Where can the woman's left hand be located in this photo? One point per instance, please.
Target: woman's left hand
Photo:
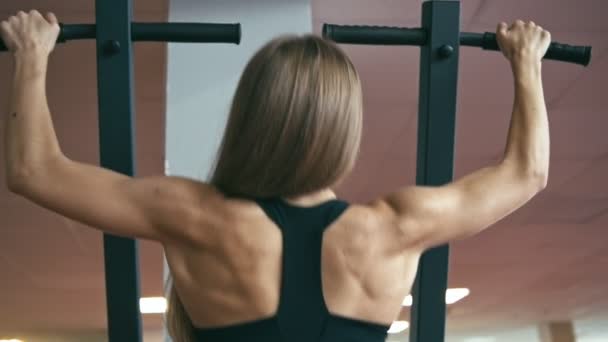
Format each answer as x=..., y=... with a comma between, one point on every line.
x=27, y=33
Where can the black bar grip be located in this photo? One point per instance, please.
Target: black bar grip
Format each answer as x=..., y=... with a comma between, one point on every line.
x=559, y=52
x=187, y=32
x=374, y=35
x=378, y=35
x=76, y=31
x=162, y=32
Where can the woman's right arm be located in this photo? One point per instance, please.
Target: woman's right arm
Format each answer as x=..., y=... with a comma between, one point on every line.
x=430, y=216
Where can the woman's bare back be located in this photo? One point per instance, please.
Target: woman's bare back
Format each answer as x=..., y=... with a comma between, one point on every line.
x=233, y=274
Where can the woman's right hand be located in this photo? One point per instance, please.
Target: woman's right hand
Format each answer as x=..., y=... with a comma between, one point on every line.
x=523, y=42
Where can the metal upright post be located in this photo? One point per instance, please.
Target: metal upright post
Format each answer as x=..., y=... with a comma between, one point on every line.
x=436, y=126
x=116, y=135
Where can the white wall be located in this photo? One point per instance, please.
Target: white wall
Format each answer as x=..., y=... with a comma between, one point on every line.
x=202, y=77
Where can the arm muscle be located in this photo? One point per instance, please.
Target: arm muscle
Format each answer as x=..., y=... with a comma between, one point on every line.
x=157, y=208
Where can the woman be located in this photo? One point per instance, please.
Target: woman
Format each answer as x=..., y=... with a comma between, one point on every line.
x=265, y=251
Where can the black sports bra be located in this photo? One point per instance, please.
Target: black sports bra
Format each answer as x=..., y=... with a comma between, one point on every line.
x=302, y=315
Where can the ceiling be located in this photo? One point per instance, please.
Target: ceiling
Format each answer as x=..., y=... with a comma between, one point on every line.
x=546, y=262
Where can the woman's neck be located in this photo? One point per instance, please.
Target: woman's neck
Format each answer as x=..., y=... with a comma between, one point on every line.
x=312, y=199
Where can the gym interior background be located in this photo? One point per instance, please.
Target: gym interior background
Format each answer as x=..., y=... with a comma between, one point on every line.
x=540, y=272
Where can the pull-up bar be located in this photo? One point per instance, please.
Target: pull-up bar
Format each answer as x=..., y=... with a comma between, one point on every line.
x=381, y=35
x=159, y=32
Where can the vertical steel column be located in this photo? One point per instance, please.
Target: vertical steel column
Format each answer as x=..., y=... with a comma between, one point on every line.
x=116, y=135
x=436, y=125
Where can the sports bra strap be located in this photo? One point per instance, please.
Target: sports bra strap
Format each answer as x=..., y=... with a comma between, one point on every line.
x=301, y=286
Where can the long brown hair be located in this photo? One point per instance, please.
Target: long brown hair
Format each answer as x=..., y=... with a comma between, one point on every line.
x=294, y=128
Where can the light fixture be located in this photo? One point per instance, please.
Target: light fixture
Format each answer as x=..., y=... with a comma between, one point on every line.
x=451, y=296
x=152, y=305
x=454, y=295
x=481, y=339
x=398, y=326
x=11, y=340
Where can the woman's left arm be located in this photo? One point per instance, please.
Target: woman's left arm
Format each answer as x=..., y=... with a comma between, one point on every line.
x=152, y=208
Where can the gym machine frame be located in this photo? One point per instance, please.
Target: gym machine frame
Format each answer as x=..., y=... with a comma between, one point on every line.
x=440, y=39
x=114, y=32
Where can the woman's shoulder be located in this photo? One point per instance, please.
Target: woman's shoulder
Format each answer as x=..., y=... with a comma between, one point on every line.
x=368, y=223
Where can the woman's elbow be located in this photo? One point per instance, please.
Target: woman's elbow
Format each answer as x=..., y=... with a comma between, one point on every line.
x=14, y=185
x=17, y=180
x=541, y=180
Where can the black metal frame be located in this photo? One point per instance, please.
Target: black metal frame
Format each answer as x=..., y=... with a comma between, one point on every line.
x=158, y=32
x=436, y=130
x=383, y=35
x=115, y=31
x=439, y=39
x=116, y=141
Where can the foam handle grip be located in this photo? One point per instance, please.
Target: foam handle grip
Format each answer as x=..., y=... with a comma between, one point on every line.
x=159, y=32
x=374, y=35
x=559, y=52
x=187, y=32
